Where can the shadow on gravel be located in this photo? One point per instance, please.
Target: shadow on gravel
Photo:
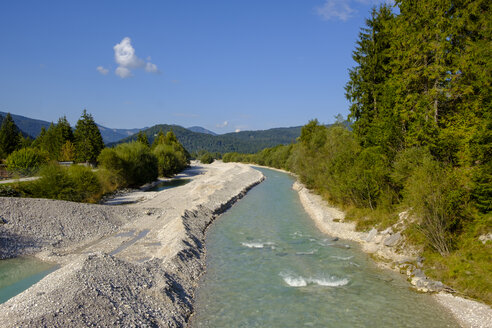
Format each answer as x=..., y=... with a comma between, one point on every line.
x=13, y=245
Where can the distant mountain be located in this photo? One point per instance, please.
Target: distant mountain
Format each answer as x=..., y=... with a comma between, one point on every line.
x=199, y=129
x=32, y=127
x=112, y=135
x=243, y=142
x=29, y=126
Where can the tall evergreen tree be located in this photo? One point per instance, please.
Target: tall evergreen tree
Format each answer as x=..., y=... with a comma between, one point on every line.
x=367, y=89
x=9, y=136
x=88, y=139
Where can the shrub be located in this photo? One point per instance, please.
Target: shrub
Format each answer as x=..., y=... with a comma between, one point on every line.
x=438, y=197
x=206, y=158
x=170, y=159
x=25, y=161
x=75, y=183
x=133, y=162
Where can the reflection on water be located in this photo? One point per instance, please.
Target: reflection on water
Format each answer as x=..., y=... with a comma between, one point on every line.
x=18, y=274
x=269, y=266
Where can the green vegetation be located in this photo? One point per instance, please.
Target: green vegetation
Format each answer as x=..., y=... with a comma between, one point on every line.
x=244, y=141
x=172, y=157
x=127, y=165
x=133, y=163
x=26, y=161
x=88, y=140
x=10, y=136
x=74, y=183
x=421, y=140
x=206, y=158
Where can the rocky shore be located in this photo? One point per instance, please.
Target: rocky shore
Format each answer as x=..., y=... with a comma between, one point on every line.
x=390, y=250
x=132, y=265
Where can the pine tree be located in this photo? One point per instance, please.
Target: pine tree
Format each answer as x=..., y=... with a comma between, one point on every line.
x=141, y=137
x=64, y=130
x=88, y=139
x=376, y=124
x=9, y=136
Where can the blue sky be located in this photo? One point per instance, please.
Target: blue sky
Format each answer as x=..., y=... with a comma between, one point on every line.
x=225, y=65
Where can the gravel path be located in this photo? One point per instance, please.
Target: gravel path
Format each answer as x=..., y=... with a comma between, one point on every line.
x=131, y=265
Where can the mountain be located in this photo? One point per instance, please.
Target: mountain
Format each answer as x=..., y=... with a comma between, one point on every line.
x=29, y=126
x=112, y=135
x=32, y=127
x=243, y=142
x=199, y=129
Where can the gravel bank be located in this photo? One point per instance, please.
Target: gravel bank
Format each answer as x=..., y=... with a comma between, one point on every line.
x=132, y=265
x=389, y=247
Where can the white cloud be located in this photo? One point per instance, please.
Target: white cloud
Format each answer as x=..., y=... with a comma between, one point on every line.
x=344, y=9
x=124, y=54
x=102, y=70
x=123, y=72
x=336, y=9
x=151, y=68
x=125, y=57
x=238, y=130
x=222, y=125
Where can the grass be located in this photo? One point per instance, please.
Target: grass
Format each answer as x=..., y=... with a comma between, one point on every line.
x=468, y=268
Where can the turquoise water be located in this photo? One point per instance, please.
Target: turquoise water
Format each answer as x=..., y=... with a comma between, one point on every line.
x=269, y=266
x=18, y=274
x=169, y=184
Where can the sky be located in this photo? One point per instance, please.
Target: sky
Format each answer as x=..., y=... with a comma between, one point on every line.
x=225, y=65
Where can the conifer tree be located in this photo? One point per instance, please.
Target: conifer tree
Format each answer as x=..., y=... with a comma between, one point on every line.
x=9, y=136
x=141, y=137
x=88, y=139
x=367, y=89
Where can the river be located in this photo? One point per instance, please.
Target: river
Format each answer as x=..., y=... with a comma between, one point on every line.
x=269, y=266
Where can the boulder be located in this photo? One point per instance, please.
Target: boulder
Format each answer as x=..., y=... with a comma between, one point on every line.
x=371, y=234
x=392, y=240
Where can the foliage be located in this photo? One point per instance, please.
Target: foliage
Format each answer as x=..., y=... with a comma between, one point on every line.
x=88, y=140
x=206, y=158
x=9, y=136
x=142, y=138
x=243, y=141
x=57, y=141
x=26, y=161
x=172, y=157
x=75, y=183
x=133, y=163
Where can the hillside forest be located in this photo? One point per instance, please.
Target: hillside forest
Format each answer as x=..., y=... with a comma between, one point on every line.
x=421, y=139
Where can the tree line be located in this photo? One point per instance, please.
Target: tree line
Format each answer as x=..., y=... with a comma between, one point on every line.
x=126, y=165
x=421, y=136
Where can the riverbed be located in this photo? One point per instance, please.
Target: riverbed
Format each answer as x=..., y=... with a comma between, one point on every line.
x=269, y=266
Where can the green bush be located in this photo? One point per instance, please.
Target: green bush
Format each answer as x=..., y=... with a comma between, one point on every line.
x=438, y=196
x=170, y=159
x=133, y=162
x=206, y=158
x=75, y=183
x=26, y=161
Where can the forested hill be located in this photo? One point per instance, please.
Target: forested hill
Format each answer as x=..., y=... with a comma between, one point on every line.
x=244, y=141
x=32, y=127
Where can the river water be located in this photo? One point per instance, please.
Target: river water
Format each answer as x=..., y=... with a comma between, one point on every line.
x=269, y=266
x=18, y=274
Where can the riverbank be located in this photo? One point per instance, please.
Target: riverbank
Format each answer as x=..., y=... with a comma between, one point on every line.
x=388, y=247
x=129, y=265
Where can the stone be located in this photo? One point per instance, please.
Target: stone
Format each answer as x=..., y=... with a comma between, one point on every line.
x=371, y=234
x=387, y=231
x=485, y=238
x=378, y=239
x=392, y=240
